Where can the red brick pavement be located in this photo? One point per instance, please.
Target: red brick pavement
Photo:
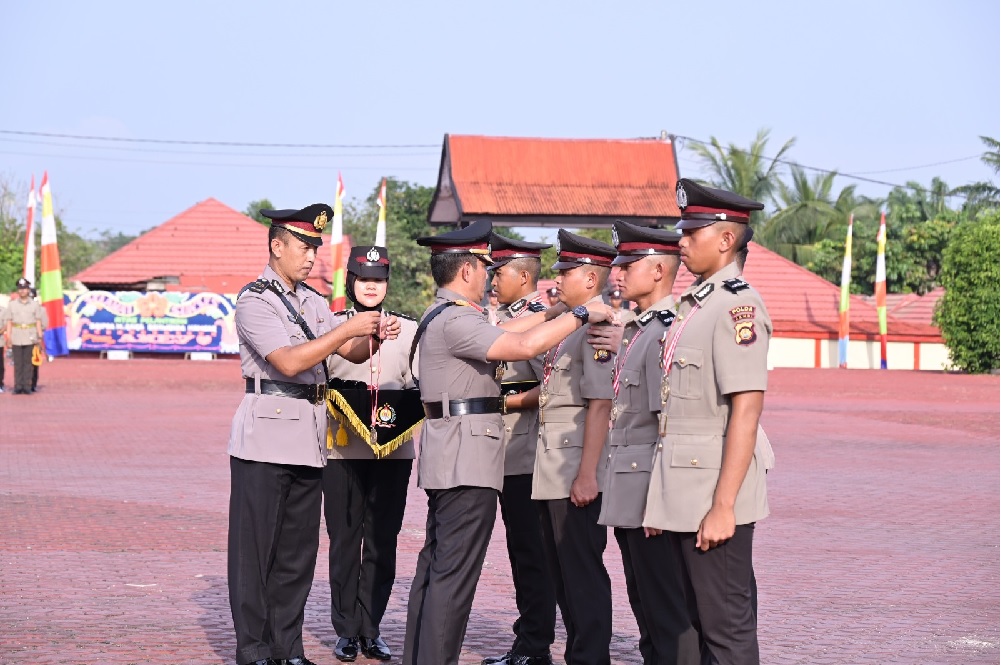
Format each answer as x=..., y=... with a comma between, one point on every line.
x=882, y=545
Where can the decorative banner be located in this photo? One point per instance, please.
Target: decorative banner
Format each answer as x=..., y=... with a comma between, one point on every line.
x=881, y=288
x=29, y=236
x=338, y=301
x=380, y=227
x=846, y=280
x=152, y=322
x=50, y=285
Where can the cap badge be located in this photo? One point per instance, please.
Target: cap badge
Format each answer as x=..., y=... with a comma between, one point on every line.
x=373, y=255
x=615, y=236
x=320, y=222
x=557, y=245
x=682, y=196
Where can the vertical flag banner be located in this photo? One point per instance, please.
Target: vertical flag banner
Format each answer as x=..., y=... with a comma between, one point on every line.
x=881, y=288
x=29, y=236
x=380, y=229
x=337, y=296
x=846, y=280
x=50, y=286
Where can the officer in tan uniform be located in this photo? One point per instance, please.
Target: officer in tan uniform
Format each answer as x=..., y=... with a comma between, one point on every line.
x=707, y=487
x=277, y=443
x=461, y=463
x=648, y=260
x=575, y=404
x=517, y=264
x=4, y=314
x=23, y=331
x=364, y=495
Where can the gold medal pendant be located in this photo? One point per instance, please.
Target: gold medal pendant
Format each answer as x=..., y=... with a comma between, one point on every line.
x=615, y=412
x=374, y=436
x=499, y=372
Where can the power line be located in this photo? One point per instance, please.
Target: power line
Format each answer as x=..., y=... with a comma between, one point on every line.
x=242, y=144
x=922, y=166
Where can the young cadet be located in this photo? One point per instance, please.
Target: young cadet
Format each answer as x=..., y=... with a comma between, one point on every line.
x=648, y=261
x=277, y=443
x=24, y=330
x=365, y=494
x=575, y=403
x=707, y=487
x=461, y=464
x=517, y=264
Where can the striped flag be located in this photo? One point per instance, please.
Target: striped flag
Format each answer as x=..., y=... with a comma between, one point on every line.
x=881, y=288
x=846, y=280
x=29, y=235
x=380, y=228
x=337, y=299
x=50, y=286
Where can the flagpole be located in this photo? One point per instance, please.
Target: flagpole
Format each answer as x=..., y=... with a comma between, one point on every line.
x=380, y=228
x=846, y=278
x=338, y=302
x=881, y=288
x=50, y=285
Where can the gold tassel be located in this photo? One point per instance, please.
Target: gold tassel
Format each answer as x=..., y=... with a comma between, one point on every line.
x=342, y=436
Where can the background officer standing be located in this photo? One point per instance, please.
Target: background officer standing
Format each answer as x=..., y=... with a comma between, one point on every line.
x=4, y=314
x=575, y=403
x=364, y=496
x=707, y=488
x=517, y=264
x=277, y=444
x=462, y=449
x=648, y=261
x=24, y=331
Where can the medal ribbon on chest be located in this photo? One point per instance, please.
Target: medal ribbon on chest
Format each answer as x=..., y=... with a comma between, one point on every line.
x=665, y=362
x=616, y=382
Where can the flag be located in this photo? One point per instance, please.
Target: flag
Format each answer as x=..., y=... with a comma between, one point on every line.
x=846, y=280
x=881, y=288
x=380, y=229
x=29, y=235
x=337, y=299
x=50, y=286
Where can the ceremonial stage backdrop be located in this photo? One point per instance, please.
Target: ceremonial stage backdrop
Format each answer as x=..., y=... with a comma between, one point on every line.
x=157, y=322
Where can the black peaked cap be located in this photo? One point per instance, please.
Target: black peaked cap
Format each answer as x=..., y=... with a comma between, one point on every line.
x=702, y=205
x=634, y=242
x=474, y=239
x=574, y=250
x=369, y=261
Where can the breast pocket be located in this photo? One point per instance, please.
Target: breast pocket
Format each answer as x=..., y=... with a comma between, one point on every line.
x=686, y=373
x=564, y=435
x=631, y=397
x=559, y=381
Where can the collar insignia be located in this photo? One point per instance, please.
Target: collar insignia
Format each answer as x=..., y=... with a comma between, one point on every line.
x=704, y=292
x=646, y=318
x=516, y=306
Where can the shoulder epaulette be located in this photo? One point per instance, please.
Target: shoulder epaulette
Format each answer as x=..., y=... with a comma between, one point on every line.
x=257, y=286
x=307, y=286
x=401, y=315
x=536, y=307
x=666, y=316
x=344, y=312
x=736, y=284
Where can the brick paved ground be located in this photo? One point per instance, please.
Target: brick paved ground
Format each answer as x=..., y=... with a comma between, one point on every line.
x=882, y=547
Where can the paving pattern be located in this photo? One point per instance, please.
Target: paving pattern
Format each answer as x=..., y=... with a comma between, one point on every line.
x=882, y=545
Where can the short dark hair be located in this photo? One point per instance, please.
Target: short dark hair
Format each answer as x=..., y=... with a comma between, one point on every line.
x=279, y=232
x=741, y=257
x=444, y=267
x=530, y=265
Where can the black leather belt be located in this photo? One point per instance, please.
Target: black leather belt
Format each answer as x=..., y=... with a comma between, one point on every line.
x=463, y=407
x=516, y=387
x=315, y=393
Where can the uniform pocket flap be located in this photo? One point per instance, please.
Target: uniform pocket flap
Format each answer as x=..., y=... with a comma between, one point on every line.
x=485, y=428
x=703, y=452
x=686, y=355
x=568, y=436
x=629, y=377
x=281, y=408
x=629, y=461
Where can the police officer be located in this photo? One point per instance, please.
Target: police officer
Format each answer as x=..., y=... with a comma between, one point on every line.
x=24, y=331
x=365, y=495
x=575, y=403
x=277, y=444
x=517, y=264
x=707, y=487
x=4, y=313
x=461, y=466
x=648, y=260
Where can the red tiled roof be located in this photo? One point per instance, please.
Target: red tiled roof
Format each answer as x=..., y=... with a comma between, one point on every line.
x=209, y=247
x=580, y=177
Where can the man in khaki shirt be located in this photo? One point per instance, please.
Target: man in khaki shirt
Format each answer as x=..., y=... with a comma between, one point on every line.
x=575, y=403
x=23, y=331
x=707, y=487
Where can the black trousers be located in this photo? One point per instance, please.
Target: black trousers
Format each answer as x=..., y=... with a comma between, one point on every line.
x=723, y=584
x=575, y=543
x=274, y=535
x=656, y=590
x=22, y=367
x=459, y=525
x=535, y=628
x=34, y=377
x=363, y=505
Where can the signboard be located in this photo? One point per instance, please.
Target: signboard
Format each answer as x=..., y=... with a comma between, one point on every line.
x=151, y=322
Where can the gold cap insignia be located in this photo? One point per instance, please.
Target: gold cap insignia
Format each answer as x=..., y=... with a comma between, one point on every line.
x=320, y=222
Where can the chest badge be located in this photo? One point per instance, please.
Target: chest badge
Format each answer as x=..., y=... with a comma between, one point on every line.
x=602, y=356
x=386, y=415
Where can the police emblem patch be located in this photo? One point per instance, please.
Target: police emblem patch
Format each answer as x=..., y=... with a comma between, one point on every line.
x=615, y=236
x=386, y=415
x=602, y=356
x=320, y=222
x=745, y=333
x=682, y=196
x=373, y=255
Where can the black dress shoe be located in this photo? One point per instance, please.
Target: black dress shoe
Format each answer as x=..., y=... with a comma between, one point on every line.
x=516, y=659
x=346, y=649
x=298, y=660
x=495, y=660
x=376, y=647
x=266, y=661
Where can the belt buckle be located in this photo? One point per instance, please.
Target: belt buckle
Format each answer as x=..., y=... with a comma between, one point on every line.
x=321, y=394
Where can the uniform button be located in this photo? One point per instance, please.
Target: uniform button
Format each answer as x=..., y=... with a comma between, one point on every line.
x=566, y=441
x=488, y=430
x=681, y=361
x=278, y=410
x=507, y=429
x=695, y=462
x=625, y=342
x=679, y=317
x=625, y=380
x=660, y=446
x=633, y=465
x=319, y=371
x=609, y=457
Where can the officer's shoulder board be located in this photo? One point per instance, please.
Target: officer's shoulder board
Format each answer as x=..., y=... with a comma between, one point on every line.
x=735, y=285
x=307, y=286
x=260, y=285
x=665, y=316
x=536, y=307
x=345, y=313
x=400, y=315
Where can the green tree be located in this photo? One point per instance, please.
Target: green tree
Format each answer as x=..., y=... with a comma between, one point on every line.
x=982, y=195
x=968, y=313
x=748, y=172
x=253, y=210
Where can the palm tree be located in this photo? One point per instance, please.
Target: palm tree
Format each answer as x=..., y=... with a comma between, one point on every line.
x=992, y=156
x=746, y=172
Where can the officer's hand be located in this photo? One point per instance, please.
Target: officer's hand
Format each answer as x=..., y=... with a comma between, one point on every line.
x=650, y=532
x=362, y=324
x=718, y=526
x=605, y=338
x=583, y=491
x=390, y=328
x=598, y=312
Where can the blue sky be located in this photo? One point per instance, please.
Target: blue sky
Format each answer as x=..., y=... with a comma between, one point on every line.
x=863, y=86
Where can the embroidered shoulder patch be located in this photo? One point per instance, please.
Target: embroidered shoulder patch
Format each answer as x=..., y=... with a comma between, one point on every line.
x=736, y=284
x=742, y=313
x=536, y=307
x=745, y=334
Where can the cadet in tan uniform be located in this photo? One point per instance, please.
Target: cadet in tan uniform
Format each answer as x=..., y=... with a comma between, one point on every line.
x=277, y=444
x=648, y=260
x=575, y=404
x=364, y=496
x=4, y=314
x=24, y=331
x=517, y=264
x=461, y=463
x=707, y=487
